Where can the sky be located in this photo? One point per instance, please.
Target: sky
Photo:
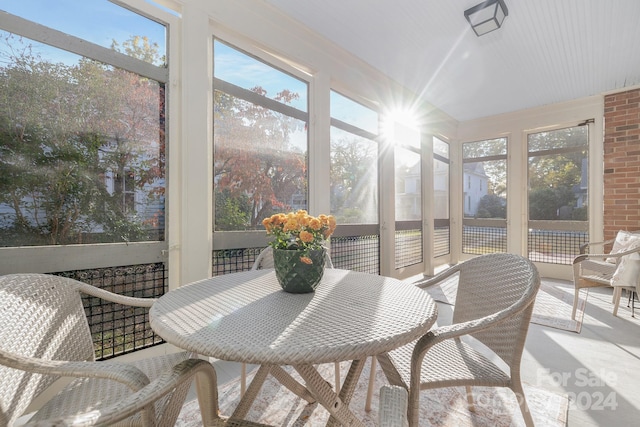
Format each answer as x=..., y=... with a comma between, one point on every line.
x=101, y=22
x=98, y=21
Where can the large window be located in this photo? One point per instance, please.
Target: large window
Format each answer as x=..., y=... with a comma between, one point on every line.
x=260, y=128
x=484, y=196
x=441, y=165
x=354, y=162
x=354, y=194
x=558, y=184
x=82, y=136
x=408, y=195
x=82, y=154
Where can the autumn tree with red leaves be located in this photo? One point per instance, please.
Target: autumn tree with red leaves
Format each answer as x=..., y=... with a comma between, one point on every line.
x=257, y=168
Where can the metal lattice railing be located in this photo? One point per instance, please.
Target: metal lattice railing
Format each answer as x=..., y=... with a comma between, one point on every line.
x=357, y=253
x=555, y=246
x=408, y=247
x=117, y=329
x=483, y=240
x=226, y=261
x=441, y=241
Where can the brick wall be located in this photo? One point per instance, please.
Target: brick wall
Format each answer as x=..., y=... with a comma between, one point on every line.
x=621, y=162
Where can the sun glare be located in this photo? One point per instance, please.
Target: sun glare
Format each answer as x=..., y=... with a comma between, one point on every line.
x=401, y=126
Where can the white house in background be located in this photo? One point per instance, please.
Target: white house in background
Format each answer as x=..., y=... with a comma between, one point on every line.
x=441, y=189
x=408, y=195
x=475, y=187
x=143, y=205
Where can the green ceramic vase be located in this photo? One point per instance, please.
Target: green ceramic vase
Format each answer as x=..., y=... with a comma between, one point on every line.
x=296, y=276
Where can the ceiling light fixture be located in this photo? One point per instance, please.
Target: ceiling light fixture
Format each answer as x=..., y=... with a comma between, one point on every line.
x=487, y=16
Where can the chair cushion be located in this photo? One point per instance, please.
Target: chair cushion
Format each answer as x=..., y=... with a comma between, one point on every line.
x=625, y=240
x=628, y=272
x=87, y=394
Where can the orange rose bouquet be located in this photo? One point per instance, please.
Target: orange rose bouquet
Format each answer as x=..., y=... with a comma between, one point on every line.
x=299, y=231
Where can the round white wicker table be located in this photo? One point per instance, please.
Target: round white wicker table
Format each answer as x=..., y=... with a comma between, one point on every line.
x=246, y=317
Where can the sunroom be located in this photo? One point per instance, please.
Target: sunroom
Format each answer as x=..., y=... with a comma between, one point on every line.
x=143, y=143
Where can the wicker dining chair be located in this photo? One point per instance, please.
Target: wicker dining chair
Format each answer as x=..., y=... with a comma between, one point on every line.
x=494, y=303
x=45, y=336
x=593, y=268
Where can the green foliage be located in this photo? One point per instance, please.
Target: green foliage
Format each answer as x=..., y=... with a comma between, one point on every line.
x=542, y=204
x=492, y=206
x=350, y=216
x=353, y=178
x=232, y=212
x=580, y=214
x=140, y=48
x=63, y=128
x=555, y=171
x=255, y=160
x=545, y=203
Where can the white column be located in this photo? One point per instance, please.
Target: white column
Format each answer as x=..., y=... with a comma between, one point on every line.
x=196, y=139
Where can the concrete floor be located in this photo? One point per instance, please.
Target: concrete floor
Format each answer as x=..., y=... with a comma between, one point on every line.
x=599, y=368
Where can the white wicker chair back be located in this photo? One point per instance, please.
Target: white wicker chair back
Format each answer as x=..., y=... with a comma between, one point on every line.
x=492, y=283
x=42, y=317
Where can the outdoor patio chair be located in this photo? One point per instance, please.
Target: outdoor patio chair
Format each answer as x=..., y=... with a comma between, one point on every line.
x=265, y=260
x=494, y=303
x=45, y=336
x=592, y=270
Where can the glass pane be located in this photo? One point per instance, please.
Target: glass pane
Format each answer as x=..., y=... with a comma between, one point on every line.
x=558, y=194
x=491, y=147
x=354, y=178
x=348, y=111
x=561, y=138
x=81, y=150
x=440, y=147
x=98, y=21
x=408, y=185
x=440, y=180
x=558, y=182
x=484, y=196
x=260, y=152
x=485, y=191
x=249, y=73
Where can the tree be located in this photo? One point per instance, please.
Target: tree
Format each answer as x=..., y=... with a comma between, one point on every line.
x=555, y=173
x=542, y=204
x=353, y=178
x=492, y=206
x=139, y=47
x=63, y=129
x=254, y=159
x=231, y=213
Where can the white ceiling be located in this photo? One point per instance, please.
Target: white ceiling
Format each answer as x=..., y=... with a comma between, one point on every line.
x=547, y=51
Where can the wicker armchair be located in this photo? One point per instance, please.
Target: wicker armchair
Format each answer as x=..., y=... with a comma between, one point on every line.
x=592, y=270
x=494, y=303
x=44, y=336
